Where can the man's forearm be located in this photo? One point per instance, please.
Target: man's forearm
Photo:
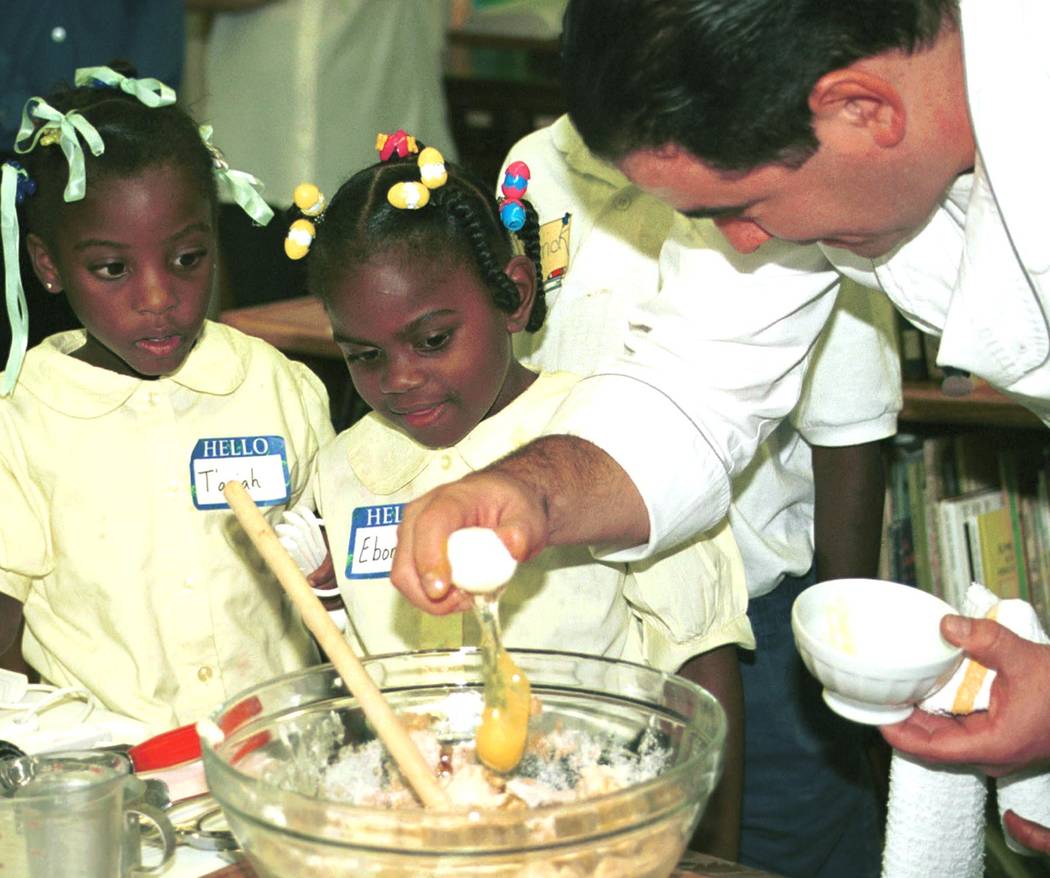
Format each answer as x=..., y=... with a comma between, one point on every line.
x=589, y=498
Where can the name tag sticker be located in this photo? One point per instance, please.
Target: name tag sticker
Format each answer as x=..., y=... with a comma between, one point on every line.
x=373, y=539
x=260, y=463
x=554, y=251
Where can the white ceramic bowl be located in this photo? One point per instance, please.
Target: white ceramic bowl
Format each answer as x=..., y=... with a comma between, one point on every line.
x=876, y=646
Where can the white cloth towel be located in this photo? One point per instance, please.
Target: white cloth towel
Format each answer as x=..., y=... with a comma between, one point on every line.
x=934, y=823
x=935, y=817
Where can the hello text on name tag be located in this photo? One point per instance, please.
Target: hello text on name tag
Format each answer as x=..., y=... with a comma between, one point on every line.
x=373, y=539
x=260, y=463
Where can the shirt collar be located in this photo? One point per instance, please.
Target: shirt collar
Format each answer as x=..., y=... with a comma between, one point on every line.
x=215, y=366
x=568, y=141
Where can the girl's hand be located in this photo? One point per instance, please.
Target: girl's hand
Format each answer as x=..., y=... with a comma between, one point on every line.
x=299, y=531
x=1014, y=732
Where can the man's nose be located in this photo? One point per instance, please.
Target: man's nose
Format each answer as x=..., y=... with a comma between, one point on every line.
x=744, y=236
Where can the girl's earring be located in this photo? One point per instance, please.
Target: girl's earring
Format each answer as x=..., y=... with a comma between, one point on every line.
x=48, y=284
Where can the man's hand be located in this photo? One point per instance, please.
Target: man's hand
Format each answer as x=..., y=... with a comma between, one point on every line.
x=1014, y=732
x=1030, y=834
x=490, y=499
x=557, y=490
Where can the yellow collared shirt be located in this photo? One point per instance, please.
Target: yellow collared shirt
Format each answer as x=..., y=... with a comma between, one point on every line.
x=163, y=610
x=662, y=611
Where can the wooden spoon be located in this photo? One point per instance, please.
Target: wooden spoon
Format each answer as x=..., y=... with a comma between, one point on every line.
x=376, y=708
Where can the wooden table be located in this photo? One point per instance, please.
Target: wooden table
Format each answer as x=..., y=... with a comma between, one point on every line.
x=693, y=865
x=299, y=328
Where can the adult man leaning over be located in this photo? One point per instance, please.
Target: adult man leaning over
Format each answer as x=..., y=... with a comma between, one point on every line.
x=897, y=142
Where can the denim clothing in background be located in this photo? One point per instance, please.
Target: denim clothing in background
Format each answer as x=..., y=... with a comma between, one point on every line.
x=43, y=42
x=827, y=826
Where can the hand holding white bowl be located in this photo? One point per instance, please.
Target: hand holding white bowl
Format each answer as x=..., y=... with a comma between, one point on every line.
x=876, y=646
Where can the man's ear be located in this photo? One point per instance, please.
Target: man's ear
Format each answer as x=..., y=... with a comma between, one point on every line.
x=43, y=264
x=522, y=271
x=850, y=101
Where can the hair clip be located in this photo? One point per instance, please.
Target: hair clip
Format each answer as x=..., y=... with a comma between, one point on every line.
x=25, y=185
x=300, y=236
x=515, y=181
x=409, y=195
x=239, y=186
x=412, y=195
x=309, y=199
x=63, y=129
x=432, y=171
x=398, y=142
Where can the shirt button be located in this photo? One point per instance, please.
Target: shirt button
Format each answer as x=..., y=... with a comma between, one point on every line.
x=188, y=584
x=446, y=461
x=204, y=674
x=622, y=201
x=58, y=34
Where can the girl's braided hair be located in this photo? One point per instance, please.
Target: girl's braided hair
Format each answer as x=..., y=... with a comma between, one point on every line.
x=461, y=221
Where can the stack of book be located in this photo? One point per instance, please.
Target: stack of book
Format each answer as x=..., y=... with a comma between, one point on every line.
x=969, y=508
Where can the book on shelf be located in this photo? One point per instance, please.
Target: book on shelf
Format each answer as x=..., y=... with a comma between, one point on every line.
x=959, y=540
x=967, y=508
x=993, y=562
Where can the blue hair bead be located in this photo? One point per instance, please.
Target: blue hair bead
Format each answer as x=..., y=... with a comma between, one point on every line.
x=26, y=186
x=512, y=214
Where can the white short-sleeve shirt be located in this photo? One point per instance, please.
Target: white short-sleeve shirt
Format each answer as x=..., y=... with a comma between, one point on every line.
x=608, y=271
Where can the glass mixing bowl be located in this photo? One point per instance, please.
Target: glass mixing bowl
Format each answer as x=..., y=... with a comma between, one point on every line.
x=265, y=750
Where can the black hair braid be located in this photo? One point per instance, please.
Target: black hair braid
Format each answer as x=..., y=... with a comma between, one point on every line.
x=529, y=235
x=504, y=291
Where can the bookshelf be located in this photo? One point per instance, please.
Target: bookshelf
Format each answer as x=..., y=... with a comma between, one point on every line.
x=951, y=454
x=1006, y=428
x=925, y=404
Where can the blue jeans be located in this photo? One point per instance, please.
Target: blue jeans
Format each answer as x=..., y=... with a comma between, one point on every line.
x=810, y=808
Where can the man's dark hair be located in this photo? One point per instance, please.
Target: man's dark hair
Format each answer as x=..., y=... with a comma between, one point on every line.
x=728, y=80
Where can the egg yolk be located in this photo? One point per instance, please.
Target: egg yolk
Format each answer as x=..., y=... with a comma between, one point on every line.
x=500, y=738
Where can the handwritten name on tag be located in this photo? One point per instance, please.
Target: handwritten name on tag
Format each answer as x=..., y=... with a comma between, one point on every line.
x=554, y=251
x=260, y=463
x=373, y=539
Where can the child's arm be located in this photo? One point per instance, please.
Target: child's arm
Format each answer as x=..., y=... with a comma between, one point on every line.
x=302, y=535
x=10, y=635
x=718, y=671
x=849, y=483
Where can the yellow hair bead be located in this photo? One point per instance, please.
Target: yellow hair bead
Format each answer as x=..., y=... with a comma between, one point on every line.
x=308, y=199
x=432, y=169
x=409, y=195
x=300, y=236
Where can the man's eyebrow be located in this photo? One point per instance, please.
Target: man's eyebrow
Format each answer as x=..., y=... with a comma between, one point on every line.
x=714, y=212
